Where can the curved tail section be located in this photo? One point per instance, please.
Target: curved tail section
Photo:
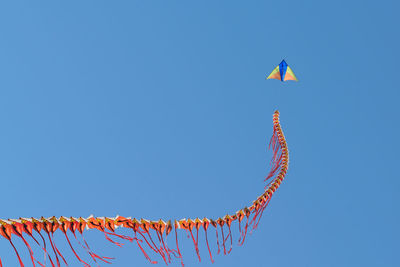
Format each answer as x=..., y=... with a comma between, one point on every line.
x=150, y=235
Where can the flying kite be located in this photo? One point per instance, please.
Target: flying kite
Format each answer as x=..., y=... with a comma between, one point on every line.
x=282, y=72
x=150, y=236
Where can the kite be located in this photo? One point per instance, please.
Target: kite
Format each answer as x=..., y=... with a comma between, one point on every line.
x=150, y=236
x=282, y=72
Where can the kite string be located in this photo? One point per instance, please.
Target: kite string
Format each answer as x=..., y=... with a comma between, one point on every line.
x=278, y=164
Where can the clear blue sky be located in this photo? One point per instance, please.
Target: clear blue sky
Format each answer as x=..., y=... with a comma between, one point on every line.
x=160, y=109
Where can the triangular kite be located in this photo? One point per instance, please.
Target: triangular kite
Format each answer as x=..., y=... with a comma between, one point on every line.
x=282, y=72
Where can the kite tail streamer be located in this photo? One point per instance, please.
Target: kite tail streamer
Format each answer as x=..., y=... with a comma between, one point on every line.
x=206, y=223
x=247, y=217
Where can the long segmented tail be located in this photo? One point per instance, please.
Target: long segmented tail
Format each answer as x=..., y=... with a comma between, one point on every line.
x=151, y=234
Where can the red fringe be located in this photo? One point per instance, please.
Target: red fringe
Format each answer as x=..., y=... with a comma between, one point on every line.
x=208, y=246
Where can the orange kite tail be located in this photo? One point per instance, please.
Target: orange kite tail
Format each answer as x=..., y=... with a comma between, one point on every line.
x=151, y=236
